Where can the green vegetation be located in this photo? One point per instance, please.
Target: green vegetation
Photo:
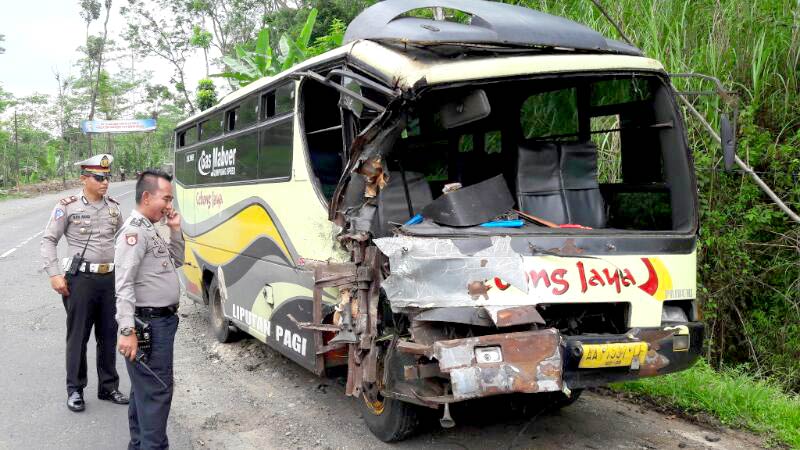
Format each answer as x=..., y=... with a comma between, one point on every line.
x=735, y=396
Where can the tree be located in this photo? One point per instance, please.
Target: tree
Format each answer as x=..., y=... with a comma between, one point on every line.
x=95, y=51
x=90, y=11
x=329, y=11
x=151, y=34
x=206, y=94
x=234, y=22
x=2, y=38
x=202, y=39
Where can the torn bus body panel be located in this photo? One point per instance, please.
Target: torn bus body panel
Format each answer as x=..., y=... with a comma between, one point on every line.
x=429, y=273
x=526, y=362
x=365, y=174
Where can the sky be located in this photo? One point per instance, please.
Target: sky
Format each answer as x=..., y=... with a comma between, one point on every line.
x=42, y=36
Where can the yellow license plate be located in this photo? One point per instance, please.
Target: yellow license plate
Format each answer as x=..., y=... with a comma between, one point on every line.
x=612, y=355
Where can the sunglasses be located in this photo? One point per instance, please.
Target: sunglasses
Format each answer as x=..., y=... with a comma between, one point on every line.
x=99, y=178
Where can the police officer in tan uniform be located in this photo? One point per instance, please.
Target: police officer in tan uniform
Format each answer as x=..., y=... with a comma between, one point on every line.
x=148, y=289
x=89, y=222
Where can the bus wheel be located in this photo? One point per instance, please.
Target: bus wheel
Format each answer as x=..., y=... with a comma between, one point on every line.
x=388, y=419
x=220, y=325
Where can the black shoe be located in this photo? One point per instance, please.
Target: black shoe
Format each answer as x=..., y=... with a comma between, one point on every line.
x=114, y=396
x=75, y=402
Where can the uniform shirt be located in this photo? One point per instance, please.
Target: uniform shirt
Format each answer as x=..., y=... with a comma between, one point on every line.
x=78, y=219
x=145, y=268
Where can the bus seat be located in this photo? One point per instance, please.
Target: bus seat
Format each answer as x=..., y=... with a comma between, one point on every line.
x=557, y=181
x=392, y=205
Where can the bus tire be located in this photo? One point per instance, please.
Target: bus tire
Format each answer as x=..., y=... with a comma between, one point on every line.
x=388, y=419
x=220, y=325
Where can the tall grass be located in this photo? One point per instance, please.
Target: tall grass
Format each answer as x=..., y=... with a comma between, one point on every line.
x=749, y=251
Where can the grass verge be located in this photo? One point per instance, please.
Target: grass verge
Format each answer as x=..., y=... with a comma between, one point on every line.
x=8, y=196
x=734, y=396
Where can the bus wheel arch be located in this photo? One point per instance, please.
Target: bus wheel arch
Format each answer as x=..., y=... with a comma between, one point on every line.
x=208, y=277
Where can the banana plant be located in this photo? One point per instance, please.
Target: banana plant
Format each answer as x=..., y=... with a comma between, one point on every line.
x=247, y=66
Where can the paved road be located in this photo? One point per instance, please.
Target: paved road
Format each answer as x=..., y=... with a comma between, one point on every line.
x=33, y=396
x=245, y=396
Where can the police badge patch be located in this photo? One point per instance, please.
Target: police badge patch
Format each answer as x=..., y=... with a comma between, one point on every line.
x=58, y=214
x=131, y=238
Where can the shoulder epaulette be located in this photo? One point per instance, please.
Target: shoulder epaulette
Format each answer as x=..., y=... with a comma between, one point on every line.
x=112, y=200
x=67, y=200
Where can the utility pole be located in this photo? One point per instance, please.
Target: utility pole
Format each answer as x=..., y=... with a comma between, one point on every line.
x=16, y=149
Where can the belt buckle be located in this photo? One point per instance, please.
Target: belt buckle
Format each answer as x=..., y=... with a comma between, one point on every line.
x=103, y=268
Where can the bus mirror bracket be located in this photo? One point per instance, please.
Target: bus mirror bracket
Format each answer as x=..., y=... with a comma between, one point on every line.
x=727, y=125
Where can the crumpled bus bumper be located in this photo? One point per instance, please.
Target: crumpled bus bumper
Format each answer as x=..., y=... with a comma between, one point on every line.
x=546, y=361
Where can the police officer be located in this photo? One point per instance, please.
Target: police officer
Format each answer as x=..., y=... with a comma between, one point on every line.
x=89, y=222
x=148, y=288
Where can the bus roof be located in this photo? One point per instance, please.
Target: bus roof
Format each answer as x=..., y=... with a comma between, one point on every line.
x=409, y=66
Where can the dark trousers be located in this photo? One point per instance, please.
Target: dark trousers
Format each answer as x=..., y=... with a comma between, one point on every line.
x=150, y=400
x=91, y=303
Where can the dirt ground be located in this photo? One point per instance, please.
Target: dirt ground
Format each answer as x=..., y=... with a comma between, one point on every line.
x=35, y=189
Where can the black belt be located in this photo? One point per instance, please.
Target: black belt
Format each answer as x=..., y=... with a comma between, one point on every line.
x=149, y=312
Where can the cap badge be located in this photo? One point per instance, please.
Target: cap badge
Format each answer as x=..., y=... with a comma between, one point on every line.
x=104, y=163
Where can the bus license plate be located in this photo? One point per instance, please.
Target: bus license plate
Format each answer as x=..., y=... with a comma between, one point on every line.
x=612, y=355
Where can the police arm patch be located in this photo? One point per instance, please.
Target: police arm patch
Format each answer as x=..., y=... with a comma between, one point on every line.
x=131, y=238
x=58, y=214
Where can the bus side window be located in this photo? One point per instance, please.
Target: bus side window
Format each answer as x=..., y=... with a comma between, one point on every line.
x=211, y=128
x=247, y=113
x=268, y=104
x=231, y=117
x=189, y=136
x=322, y=125
x=275, y=150
x=284, y=99
x=279, y=101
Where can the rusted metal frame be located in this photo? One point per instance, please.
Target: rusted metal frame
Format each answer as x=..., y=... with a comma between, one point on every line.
x=531, y=362
x=415, y=348
x=420, y=371
x=330, y=347
x=375, y=261
x=325, y=275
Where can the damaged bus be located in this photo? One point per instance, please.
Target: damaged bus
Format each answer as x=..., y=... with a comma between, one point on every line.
x=496, y=202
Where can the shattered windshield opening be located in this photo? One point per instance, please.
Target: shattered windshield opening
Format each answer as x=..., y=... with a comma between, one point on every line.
x=565, y=155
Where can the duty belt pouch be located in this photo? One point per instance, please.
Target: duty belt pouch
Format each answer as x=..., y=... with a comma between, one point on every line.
x=144, y=337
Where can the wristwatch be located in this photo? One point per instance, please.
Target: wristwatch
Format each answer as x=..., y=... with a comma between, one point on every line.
x=127, y=331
